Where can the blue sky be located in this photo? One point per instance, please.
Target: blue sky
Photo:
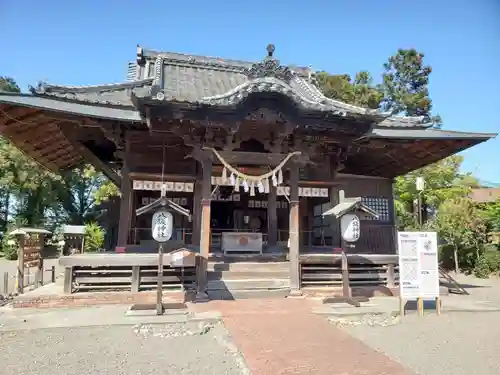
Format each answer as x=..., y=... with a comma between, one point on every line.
x=90, y=42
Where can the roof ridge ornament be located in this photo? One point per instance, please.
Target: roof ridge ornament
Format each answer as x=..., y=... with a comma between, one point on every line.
x=140, y=59
x=269, y=67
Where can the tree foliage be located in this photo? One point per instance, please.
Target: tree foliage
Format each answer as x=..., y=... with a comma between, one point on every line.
x=404, y=89
x=492, y=214
x=406, y=85
x=94, y=238
x=443, y=181
x=8, y=84
x=460, y=224
x=361, y=91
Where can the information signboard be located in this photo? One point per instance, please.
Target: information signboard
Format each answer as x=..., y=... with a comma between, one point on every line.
x=429, y=268
x=418, y=265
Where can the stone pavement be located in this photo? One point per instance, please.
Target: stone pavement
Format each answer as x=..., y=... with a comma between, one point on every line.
x=283, y=336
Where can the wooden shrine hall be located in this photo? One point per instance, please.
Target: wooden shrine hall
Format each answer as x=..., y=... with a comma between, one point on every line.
x=254, y=151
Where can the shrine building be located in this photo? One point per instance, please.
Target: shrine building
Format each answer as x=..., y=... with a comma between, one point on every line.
x=253, y=150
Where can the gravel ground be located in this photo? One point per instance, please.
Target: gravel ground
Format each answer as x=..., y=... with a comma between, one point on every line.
x=117, y=350
x=453, y=343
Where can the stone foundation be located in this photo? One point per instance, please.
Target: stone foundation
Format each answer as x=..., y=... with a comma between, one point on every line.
x=94, y=299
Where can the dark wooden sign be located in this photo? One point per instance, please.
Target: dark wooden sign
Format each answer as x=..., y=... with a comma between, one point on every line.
x=32, y=252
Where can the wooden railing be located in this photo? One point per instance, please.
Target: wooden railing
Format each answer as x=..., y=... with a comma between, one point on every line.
x=131, y=278
x=370, y=270
x=122, y=272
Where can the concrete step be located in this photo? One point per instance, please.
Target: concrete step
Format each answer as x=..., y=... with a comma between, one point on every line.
x=248, y=266
x=248, y=294
x=248, y=275
x=251, y=284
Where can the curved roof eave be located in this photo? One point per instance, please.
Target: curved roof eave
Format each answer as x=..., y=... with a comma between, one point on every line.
x=402, y=133
x=73, y=108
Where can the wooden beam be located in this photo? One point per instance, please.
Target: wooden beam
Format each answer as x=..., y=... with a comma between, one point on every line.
x=246, y=158
x=64, y=159
x=70, y=133
x=70, y=162
x=18, y=115
x=34, y=130
x=157, y=177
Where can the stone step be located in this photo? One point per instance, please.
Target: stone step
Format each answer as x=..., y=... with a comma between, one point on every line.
x=252, y=284
x=248, y=294
x=248, y=266
x=232, y=258
x=249, y=274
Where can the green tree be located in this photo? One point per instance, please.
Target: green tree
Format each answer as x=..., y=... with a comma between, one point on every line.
x=406, y=85
x=361, y=91
x=461, y=225
x=94, y=238
x=443, y=181
x=27, y=187
x=8, y=84
x=105, y=192
x=75, y=194
x=491, y=212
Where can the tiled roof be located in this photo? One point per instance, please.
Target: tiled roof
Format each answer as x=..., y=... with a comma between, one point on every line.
x=111, y=94
x=183, y=78
x=485, y=195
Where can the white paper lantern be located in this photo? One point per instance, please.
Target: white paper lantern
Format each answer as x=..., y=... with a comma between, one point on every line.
x=162, y=225
x=350, y=227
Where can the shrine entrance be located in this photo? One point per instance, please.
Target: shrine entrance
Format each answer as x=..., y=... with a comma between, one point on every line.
x=236, y=213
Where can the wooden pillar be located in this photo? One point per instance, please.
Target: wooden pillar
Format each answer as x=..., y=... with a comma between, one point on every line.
x=303, y=224
x=198, y=186
x=393, y=217
x=125, y=217
x=206, y=188
x=294, y=231
x=20, y=264
x=334, y=222
x=125, y=206
x=272, y=217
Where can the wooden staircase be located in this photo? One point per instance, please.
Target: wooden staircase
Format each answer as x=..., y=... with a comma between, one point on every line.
x=453, y=286
x=242, y=277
